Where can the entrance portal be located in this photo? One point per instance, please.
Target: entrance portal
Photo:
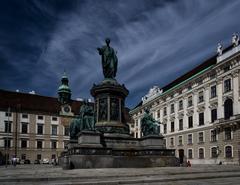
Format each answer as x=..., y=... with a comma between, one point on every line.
x=181, y=155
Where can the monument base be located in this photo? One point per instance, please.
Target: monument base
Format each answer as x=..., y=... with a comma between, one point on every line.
x=96, y=150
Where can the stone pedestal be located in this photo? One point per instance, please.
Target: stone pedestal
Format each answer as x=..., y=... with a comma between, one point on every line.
x=109, y=107
x=89, y=139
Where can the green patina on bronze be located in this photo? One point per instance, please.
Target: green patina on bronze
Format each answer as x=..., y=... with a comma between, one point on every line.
x=109, y=60
x=84, y=122
x=149, y=126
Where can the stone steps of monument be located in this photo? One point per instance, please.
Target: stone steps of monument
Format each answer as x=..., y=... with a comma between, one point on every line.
x=128, y=179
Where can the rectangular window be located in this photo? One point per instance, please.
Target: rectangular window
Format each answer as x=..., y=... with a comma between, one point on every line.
x=54, y=118
x=23, y=143
x=172, y=126
x=39, y=129
x=214, y=153
x=201, y=153
x=8, y=126
x=201, y=118
x=213, y=115
x=40, y=117
x=54, y=130
x=213, y=91
x=180, y=105
x=25, y=116
x=8, y=114
x=39, y=156
x=190, y=122
x=165, y=111
x=165, y=128
x=190, y=101
x=181, y=124
x=171, y=141
x=23, y=156
x=39, y=144
x=54, y=144
x=190, y=141
x=190, y=153
x=172, y=108
x=24, y=128
x=228, y=133
x=180, y=140
x=7, y=142
x=213, y=135
x=227, y=85
x=66, y=130
x=200, y=137
x=158, y=113
x=200, y=97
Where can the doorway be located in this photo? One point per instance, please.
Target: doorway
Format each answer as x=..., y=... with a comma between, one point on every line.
x=181, y=155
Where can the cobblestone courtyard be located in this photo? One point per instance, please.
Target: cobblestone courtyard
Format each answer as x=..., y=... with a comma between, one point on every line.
x=47, y=174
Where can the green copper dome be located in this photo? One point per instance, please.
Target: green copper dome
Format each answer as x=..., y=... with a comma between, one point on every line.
x=64, y=92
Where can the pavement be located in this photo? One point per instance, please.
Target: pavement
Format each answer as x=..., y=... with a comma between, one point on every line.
x=54, y=175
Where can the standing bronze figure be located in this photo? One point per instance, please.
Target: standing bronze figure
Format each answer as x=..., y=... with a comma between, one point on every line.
x=109, y=60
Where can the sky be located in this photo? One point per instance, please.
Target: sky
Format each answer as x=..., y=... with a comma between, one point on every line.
x=156, y=41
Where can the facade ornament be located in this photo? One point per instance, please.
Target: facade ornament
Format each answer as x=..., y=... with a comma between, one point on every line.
x=235, y=39
x=153, y=92
x=219, y=49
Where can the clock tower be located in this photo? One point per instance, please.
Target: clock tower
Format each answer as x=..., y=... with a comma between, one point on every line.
x=64, y=96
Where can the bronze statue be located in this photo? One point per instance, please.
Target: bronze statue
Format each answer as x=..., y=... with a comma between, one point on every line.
x=109, y=60
x=149, y=126
x=85, y=121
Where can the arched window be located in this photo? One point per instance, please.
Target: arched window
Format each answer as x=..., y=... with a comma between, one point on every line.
x=214, y=152
x=201, y=153
x=228, y=108
x=228, y=151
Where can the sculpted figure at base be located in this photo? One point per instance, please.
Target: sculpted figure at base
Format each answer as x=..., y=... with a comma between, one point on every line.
x=85, y=121
x=109, y=60
x=149, y=126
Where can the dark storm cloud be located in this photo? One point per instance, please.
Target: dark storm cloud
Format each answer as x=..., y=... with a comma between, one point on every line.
x=156, y=41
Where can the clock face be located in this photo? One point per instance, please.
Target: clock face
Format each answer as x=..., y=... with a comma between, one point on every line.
x=66, y=109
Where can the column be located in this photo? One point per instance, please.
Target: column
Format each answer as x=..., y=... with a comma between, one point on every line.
x=207, y=111
x=236, y=105
x=220, y=110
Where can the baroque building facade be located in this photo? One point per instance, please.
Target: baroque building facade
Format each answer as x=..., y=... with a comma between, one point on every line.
x=200, y=111
x=36, y=127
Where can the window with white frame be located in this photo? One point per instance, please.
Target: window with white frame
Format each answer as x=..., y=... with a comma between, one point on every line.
x=171, y=141
x=190, y=122
x=165, y=111
x=214, y=135
x=54, y=130
x=164, y=128
x=24, y=128
x=25, y=116
x=213, y=91
x=190, y=153
x=180, y=140
x=201, y=119
x=180, y=105
x=23, y=143
x=40, y=129
x=214, y=152
x=172, y=126
x=227, y=85
x=190, y=139
x=213, y=115
x=180, y=124
x=40, y=117
x=228, y=133
x=228, y=152
x=200, y=137
x=54, y=118
x=172, y=108
x=190, y=103
x=8, y=126
x=201, y=153
x=8, y=114
x=200, y=97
